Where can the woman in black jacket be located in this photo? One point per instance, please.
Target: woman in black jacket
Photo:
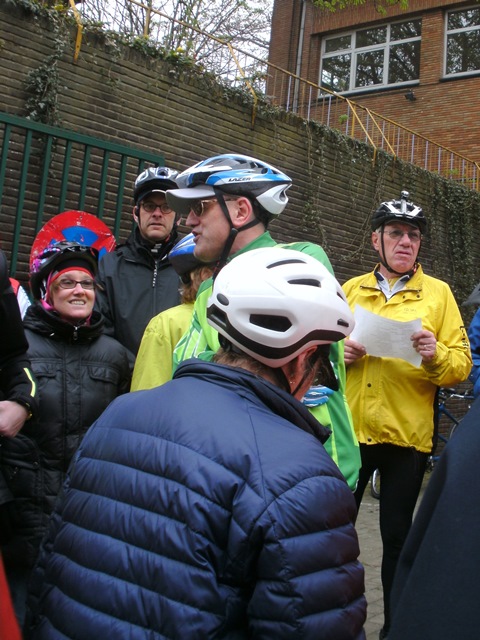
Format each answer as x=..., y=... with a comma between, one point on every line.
x=79, y=371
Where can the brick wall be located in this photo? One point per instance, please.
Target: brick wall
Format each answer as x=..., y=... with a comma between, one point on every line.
x=118, y=94
x=445, y=111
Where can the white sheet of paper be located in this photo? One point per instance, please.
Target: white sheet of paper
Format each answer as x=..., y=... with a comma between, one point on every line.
x=386, y=338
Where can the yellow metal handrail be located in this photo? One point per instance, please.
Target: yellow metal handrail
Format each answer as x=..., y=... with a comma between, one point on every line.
x=78, y=20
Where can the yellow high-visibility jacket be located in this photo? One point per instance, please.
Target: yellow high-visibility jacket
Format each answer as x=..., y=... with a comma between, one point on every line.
x=391, y=400
x=153, y=365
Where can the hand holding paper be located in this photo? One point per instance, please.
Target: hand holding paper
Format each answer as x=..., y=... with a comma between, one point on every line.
x=386, y=338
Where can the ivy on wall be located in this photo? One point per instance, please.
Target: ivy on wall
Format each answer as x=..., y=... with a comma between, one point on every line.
x=453, y=211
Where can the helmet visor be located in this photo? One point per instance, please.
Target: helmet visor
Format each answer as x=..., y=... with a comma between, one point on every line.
x=180, y=200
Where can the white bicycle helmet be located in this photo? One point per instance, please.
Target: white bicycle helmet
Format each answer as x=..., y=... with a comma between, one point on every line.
x=273, y=303
x=233, y=174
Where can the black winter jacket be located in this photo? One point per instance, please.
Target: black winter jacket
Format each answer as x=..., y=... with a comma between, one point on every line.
x=436, y=590
x=204, y=508
x=16, y=381
x=79, y=372
x=137, y=282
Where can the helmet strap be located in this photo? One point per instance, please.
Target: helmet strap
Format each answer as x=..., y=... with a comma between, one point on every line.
x=388, y=267
x=227, y=247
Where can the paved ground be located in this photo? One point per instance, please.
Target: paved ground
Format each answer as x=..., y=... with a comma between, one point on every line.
x=371, y=556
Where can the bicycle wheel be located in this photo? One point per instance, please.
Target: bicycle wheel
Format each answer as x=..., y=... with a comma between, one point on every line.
x=375, y=484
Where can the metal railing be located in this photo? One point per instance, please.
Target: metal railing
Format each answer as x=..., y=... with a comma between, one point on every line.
x=280, y=88
x=311, y=102
x=45, y=170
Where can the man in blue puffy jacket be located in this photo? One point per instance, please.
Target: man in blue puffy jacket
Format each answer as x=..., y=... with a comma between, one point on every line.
x=208, y=507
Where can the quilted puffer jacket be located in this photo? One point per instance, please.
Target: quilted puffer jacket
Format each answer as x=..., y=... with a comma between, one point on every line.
x=79, y=371
x=204, y=508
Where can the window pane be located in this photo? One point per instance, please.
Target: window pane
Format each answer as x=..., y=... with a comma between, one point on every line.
x=336, y=73
x=368, y=37
x=404, y=62
x=338, y=44
x=463, y=52
x=403, y=30
x=369, y=69
x=462, y=19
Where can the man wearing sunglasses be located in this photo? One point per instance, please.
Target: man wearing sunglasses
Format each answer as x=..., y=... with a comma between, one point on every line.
x=137, y=280
x=228, y=201
x=392, y=399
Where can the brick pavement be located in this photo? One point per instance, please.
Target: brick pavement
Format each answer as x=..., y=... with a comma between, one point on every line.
x=371, y=556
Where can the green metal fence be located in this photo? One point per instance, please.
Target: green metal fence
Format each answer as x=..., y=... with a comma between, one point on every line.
x=45, y=170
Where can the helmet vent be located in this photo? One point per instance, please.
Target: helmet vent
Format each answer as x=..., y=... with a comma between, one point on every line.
x=306, y=281
x=274, y=323
x=223, y=299
x=279, y=263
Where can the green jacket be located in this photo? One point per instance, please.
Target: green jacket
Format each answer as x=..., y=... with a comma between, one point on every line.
x=201, y=341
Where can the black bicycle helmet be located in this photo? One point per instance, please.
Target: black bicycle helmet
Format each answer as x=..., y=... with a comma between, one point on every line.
x=399, y=211
x=154, y=179
x=59, y=255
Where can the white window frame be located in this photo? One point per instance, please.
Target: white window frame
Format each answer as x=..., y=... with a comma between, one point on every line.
x=355, y=51
x=453, y=31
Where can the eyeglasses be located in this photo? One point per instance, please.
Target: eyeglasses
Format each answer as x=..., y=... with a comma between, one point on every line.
x=67, y=283
x=396, y=234
x=198, y=207
x=151, y=207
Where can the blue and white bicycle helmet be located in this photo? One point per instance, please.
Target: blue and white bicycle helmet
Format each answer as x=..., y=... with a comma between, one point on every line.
x=236, y=175
x=154, y=180
x=233, y=174
x=182, y=258
x=399, y=211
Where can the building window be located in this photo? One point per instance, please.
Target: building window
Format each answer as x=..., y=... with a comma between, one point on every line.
x=372, y=57
x=463, y=41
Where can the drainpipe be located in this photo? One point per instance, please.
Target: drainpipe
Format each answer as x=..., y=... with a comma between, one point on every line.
x=298, y=67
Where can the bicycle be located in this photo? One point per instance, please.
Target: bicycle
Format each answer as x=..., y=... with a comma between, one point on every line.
x=444, y=395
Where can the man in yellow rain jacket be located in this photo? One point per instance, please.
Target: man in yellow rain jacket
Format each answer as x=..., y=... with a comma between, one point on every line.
x=392, y=399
